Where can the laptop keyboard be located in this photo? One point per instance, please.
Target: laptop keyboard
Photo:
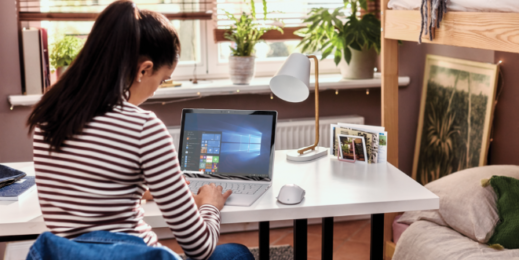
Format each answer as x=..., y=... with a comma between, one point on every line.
x=237, y=188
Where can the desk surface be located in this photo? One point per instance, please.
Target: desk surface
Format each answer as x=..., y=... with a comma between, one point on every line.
x=333, y=188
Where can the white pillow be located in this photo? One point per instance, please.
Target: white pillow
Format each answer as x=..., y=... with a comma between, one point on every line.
x=465, y=205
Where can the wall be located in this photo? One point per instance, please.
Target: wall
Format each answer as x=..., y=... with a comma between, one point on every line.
x=504, y=148
x=351, y=102
x=15, y=145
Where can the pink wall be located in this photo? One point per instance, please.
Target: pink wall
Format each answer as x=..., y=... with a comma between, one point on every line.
x=505, y=147
x=15, y=145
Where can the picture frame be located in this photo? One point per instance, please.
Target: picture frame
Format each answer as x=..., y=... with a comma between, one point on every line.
x=456, y=115
x=352, y=148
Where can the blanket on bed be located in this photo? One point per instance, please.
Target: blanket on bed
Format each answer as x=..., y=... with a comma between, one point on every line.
x=425, y=240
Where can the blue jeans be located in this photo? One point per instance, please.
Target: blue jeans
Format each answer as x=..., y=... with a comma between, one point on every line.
x=113, y=246
x=231, y=252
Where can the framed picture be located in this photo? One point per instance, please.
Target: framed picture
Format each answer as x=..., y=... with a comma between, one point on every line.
x=455, y=117
x=352, y=148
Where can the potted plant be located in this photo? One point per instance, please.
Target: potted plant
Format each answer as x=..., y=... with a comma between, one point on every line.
x=354, y=41
x=245, y=33
x=63, y=52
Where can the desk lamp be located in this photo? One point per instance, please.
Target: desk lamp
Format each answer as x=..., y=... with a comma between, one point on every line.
x=291, y=83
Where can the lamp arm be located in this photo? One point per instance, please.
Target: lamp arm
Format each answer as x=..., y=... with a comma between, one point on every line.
x=316, y=62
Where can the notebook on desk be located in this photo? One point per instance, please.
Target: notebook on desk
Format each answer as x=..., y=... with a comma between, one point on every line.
x=18, y=190
x=231, y=148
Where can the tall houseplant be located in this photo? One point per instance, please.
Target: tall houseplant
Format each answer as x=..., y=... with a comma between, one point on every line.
x=245, y=33
x=64, y=51
x=353, y=41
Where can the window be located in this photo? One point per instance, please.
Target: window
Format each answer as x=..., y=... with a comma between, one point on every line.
x=204, y=54
x=272, y=52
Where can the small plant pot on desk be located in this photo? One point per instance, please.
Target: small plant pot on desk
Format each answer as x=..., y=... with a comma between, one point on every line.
x=241, y=69
x=361, y=66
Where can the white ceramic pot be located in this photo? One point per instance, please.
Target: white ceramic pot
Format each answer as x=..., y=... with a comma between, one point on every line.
x=361, y=66
x=60, y=71
x=241, y=69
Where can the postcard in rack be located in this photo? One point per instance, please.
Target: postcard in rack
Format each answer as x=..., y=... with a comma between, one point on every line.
x=371, y=141
x=352, y=148
x=381, y=134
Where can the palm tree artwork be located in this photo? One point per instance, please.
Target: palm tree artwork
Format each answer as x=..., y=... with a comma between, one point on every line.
x=455, y=117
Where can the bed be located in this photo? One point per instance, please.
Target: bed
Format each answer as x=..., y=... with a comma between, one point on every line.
x=496, y=30
x=505, y=6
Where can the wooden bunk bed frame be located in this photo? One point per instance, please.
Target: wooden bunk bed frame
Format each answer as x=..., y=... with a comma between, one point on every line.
x=491, y=31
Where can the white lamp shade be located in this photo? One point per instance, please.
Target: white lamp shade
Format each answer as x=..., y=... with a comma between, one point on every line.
x=291, y=82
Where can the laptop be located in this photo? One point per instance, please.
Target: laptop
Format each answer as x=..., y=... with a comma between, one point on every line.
x=231, y=148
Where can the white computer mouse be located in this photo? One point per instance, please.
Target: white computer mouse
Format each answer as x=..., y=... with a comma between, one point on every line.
x=291, y=194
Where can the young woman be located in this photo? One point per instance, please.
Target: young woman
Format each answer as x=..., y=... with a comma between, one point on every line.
x=96, y=152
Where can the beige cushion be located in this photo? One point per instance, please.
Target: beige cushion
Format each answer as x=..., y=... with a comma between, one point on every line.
x=465, y=205
x=424, y=240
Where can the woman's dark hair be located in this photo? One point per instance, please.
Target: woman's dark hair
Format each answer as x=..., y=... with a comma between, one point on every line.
x=104, y=70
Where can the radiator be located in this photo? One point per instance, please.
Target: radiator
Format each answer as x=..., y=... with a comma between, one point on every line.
x=296, y=133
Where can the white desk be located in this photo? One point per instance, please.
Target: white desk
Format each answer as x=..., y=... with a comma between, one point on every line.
x=333, y=189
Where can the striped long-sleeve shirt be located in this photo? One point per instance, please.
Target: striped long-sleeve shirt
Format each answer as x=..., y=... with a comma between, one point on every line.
x=98, y=178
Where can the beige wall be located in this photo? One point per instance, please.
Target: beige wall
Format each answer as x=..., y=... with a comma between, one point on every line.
x=15, y=145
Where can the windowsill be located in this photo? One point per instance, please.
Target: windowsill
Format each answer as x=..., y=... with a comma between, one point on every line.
x=223, y=87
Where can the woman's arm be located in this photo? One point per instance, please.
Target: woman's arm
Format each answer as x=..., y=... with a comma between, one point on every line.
x=196, y=230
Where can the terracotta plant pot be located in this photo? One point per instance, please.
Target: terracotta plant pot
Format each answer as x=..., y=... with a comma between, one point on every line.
x=361, y=66
x=241, y=69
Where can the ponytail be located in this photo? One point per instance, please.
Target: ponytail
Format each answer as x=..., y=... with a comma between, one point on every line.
x=103, y=71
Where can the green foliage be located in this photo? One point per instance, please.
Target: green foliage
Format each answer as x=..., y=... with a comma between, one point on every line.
x=326, y=32
x=65, y=50
x=246, y=31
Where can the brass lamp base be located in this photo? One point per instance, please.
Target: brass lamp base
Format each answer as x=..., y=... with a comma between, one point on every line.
x=294, y=155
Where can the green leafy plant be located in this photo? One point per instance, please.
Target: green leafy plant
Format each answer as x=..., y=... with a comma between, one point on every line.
x=246, y=31
x=65, y=50
x=335, y=33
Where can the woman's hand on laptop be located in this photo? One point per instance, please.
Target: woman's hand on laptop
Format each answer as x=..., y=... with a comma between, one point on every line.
x=212, y=195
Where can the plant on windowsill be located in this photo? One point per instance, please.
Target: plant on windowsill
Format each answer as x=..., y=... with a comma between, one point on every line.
x=354, y=41
x=64, y=51
x=245, y=33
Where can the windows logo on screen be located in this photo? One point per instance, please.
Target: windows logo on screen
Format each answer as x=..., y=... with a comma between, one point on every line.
x=249, y=143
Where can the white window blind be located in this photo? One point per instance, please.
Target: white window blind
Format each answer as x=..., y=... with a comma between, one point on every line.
x=289, y=12
x=85, y=10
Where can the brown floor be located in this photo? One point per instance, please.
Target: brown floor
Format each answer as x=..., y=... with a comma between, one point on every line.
x=350, y=240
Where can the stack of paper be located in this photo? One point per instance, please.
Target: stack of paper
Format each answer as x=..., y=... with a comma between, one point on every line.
x=374, y=138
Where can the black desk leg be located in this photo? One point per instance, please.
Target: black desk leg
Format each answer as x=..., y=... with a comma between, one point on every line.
x=327, y=239
x=377, y=237
x=264, y=240
x=300, y=239
x=18, y=238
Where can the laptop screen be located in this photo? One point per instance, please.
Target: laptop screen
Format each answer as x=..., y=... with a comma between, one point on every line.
x=227, y=143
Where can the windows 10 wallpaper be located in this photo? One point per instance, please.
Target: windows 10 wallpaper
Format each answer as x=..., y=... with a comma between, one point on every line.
x=227, y=144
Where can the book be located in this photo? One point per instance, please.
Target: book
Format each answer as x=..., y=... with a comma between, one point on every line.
x=32, y=61
x=19, y=189
x=44, y=44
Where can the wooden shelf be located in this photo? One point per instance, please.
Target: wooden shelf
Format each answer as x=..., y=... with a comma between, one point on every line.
x=225, y=87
